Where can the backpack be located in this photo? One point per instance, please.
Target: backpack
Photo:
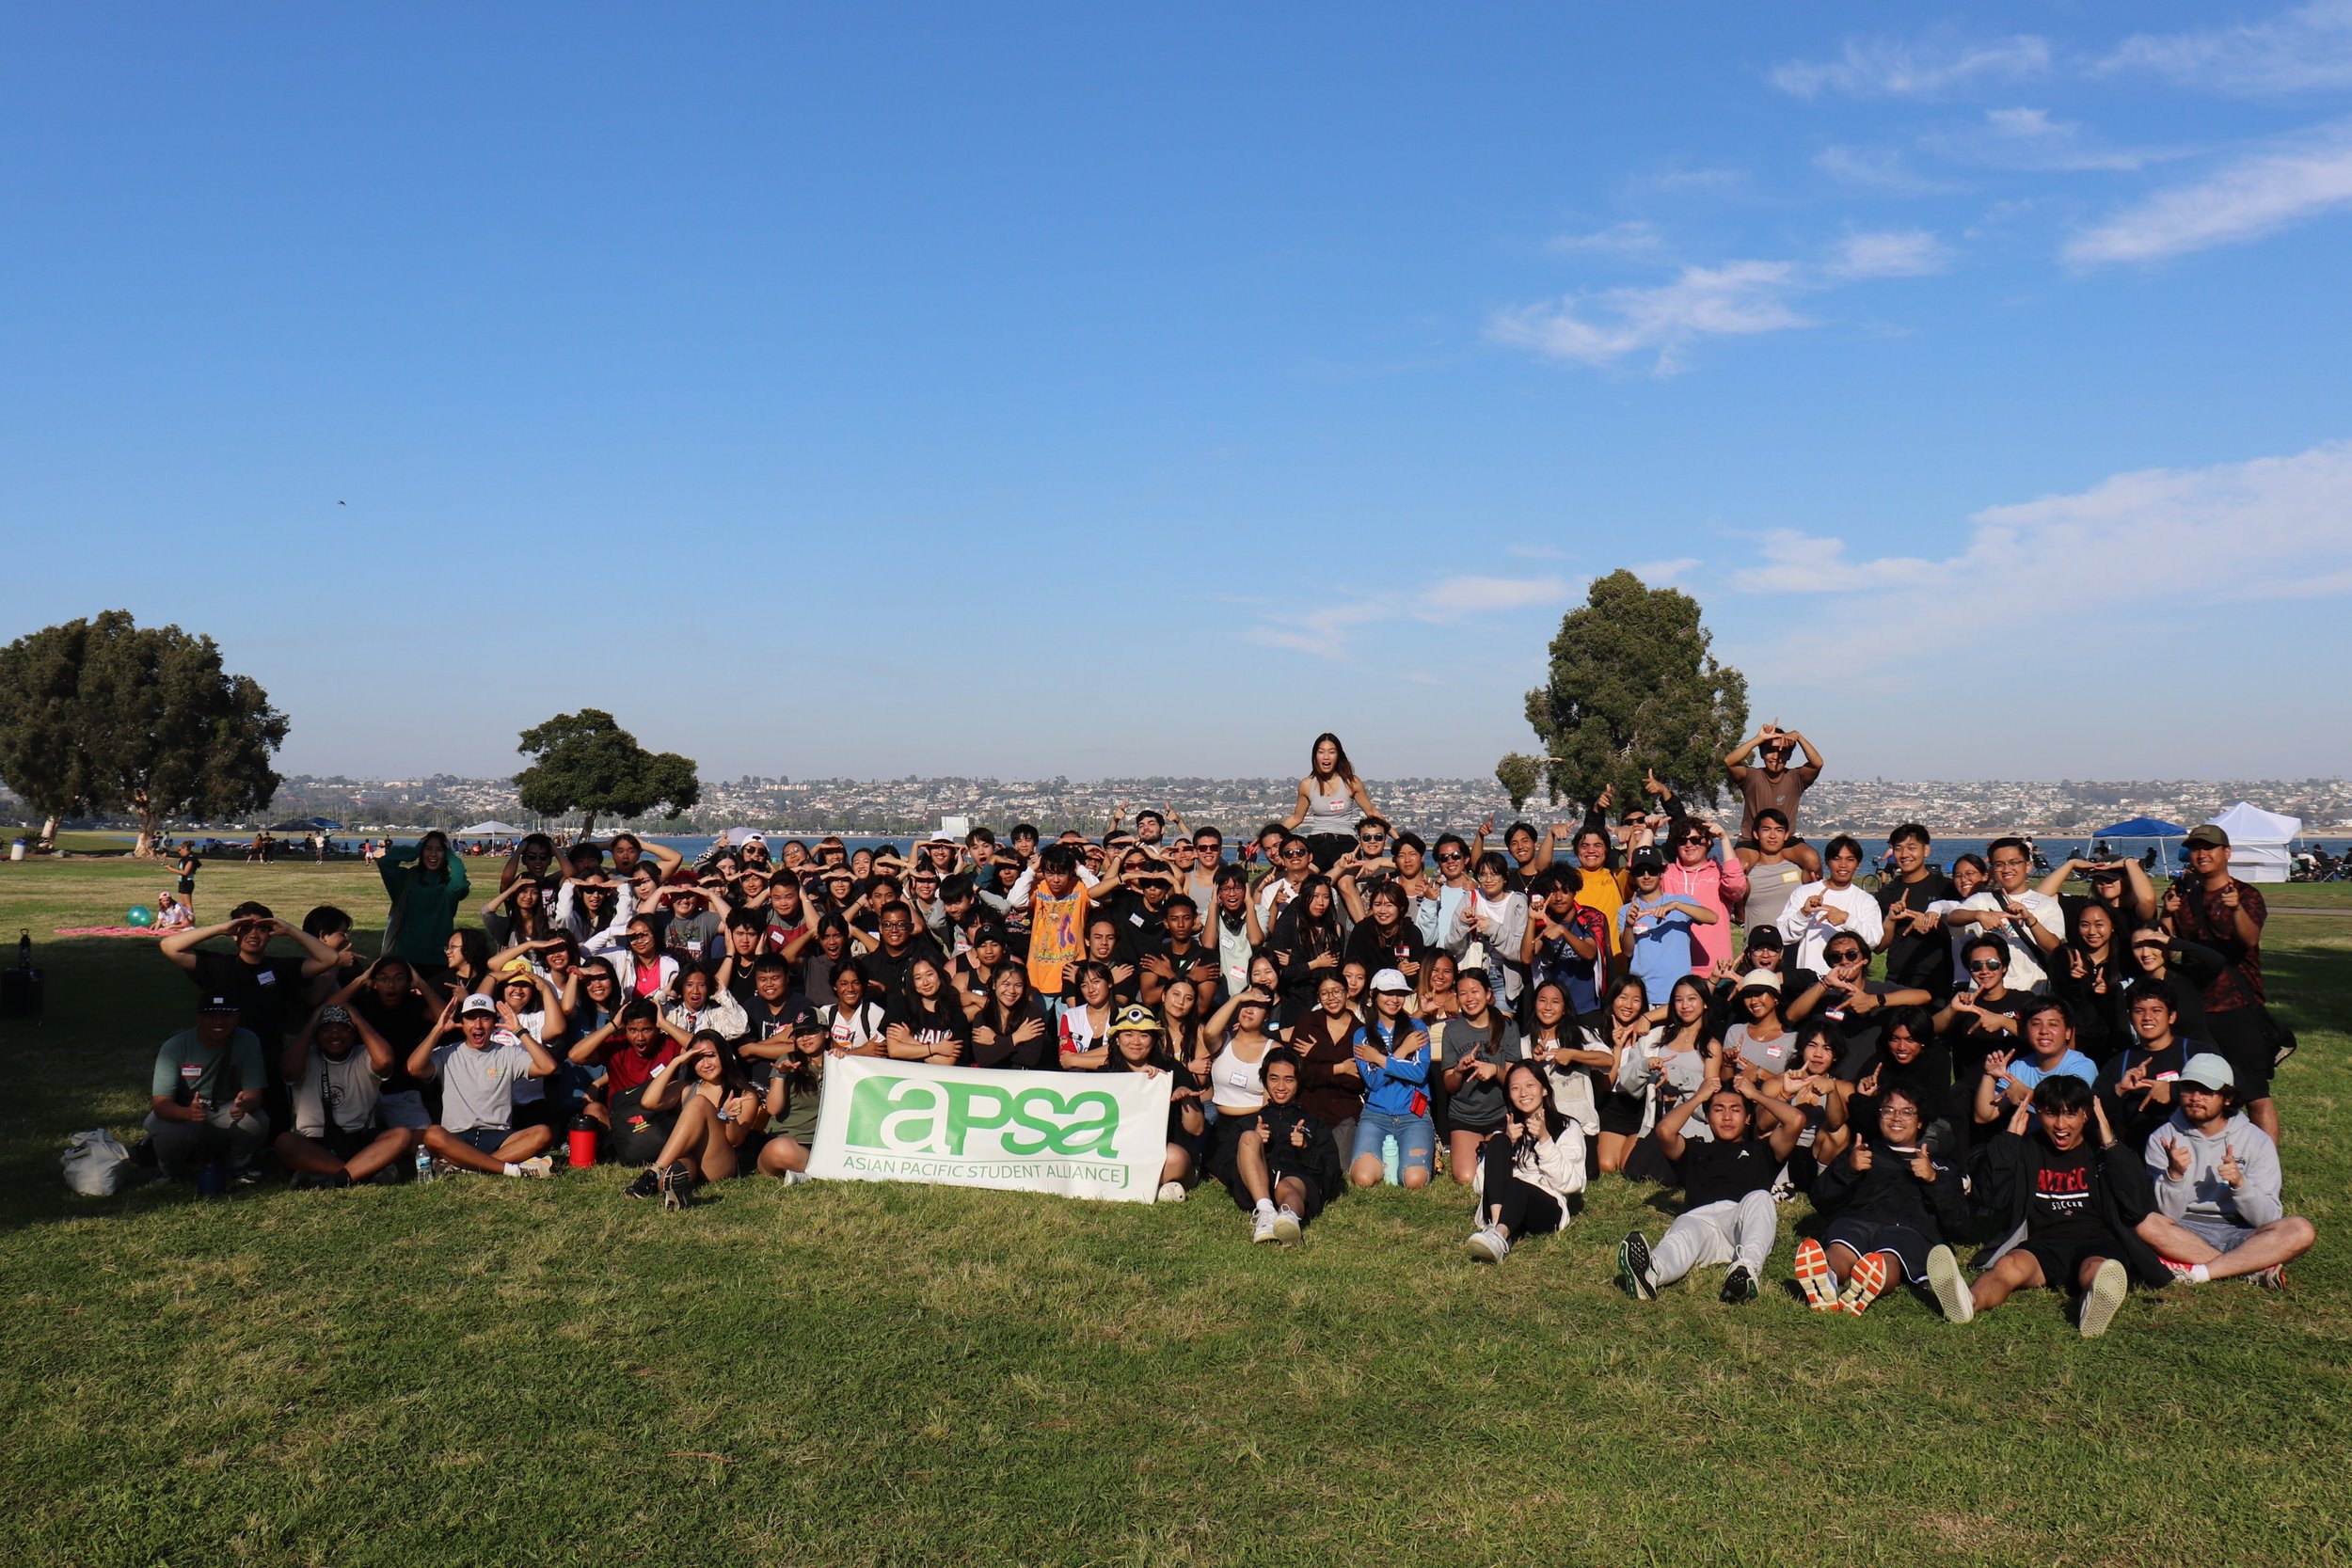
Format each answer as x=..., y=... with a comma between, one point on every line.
x=96, y=1163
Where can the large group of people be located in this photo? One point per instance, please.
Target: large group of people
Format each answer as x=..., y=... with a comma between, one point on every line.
x=2079, y=1081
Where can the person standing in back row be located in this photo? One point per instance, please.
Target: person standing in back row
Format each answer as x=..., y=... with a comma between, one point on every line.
x=2226, y=916
x=1770, y=781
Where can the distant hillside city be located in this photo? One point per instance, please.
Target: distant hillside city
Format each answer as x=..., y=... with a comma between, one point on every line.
x=910, y=805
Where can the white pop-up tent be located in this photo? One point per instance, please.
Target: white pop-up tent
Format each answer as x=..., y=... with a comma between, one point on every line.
x=2259, y=842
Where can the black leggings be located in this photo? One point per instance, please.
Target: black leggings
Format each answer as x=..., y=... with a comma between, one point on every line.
x=1527, y=1210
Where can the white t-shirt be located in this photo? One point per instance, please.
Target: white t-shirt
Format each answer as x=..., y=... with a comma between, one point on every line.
x=342, y=1094
x=2025, y=959
x=1809, y=933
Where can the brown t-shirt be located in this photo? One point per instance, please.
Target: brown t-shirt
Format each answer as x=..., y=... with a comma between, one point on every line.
x=1760, y=791
x=1324, y=1043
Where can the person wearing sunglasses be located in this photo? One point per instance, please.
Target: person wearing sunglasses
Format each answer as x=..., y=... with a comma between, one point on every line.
x=1703, y=871
x=1293, y=861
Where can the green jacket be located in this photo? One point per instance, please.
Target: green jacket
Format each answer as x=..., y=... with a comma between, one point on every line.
x=424, y=908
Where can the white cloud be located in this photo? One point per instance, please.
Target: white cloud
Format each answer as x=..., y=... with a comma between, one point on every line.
x=1877, y=169
x=2260, y=192
x=2303, y=50
x=1884, y=68
x=1738, y=299
x=2028, y=140
x=1328, y=631
x=1459, y=597
x=2273, y=527
x=1735, y=300
x=1618, y=238
x=1666, y=574
x=1897, y=253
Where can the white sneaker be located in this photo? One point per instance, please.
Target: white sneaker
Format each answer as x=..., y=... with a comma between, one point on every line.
x=1286, y=1227
x=1950, y=1286
x=538, y=1166
x=2109, y=1286
x=1262, y=1229
x=1488, y=1245
x=1171, y=1192
x=794, y=1177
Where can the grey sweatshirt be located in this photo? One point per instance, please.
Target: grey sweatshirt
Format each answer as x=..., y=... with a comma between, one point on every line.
x=2202, y=1194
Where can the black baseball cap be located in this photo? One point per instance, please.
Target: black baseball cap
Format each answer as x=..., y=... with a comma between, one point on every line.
x=217, y=1003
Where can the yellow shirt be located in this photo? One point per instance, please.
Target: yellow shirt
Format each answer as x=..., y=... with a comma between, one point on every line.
x=1058, y=929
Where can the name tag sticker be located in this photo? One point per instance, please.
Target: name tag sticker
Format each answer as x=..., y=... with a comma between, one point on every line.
x=265, y=977
x=191, y=1070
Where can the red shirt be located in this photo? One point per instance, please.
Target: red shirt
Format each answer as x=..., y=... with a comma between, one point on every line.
x=624, y=1070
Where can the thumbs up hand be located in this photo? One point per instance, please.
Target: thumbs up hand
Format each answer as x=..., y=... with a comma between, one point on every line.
x=1921, y=1167
x=2231, y=1170
x=2176, y=1156
x=1860, y=1157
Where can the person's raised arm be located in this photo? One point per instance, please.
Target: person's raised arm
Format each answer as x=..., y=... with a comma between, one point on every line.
x=180, y=946
x=590, y=1047
x=2048, y=887
x=1670, y=1126
x=318, y=958
x=421, y=1059
x=1789, y=1119
x=1363, y=799
x=380, y=1054
x=556, y=1021
x=295, y=1054
x=1812, y=752
x=669, y=860
x=1299, y=810
x=1736, y=760
x=2143, y=891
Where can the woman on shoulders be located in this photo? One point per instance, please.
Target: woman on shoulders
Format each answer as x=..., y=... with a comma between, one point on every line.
x=1331, y=801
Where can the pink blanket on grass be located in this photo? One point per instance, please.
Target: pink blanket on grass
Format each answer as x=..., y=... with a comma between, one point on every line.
x=109, y=931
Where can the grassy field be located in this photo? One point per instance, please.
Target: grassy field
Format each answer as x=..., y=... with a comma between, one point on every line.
x=490, y=1371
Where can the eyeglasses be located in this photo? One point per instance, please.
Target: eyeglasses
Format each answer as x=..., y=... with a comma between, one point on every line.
x=1985, y=966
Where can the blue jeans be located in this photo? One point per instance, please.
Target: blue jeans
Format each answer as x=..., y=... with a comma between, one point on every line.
x=1415, y=1138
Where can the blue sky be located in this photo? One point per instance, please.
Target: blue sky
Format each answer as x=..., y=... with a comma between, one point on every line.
x=1088, y=391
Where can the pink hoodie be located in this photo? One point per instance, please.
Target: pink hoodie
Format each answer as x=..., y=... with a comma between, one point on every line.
x=1718, y=885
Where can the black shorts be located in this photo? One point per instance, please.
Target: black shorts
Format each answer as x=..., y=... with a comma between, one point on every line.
x=345, y=1141
x=1621, y=1113
x=483, y=1140
x=187, y=886
x=1329, y=847
x=1867, y=1236
x=2061, y=1257
x=2244, y=1043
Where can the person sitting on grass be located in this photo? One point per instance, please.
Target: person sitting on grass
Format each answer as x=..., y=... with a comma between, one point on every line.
x=207, y=1090
x=2219, y=1214
x=477, y=1072
x=338, y=1064
x=2071, y=1208
x=2009, y=1081
x=794, y=1094
x=1136, y=1046
x=1527, y=1170
x=1890, y=1203
x=1280, y=1165
x=1729, y=1214
x=631, y=1047
x=714, y=1111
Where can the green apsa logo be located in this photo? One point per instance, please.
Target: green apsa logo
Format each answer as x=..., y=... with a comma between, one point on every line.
x=922, y=1116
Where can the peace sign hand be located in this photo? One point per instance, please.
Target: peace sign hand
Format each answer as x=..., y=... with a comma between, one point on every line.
x=2176, y=1158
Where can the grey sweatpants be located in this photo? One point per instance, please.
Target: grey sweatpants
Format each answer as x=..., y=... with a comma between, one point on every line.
x=1717, y=1233
x=181, y=1146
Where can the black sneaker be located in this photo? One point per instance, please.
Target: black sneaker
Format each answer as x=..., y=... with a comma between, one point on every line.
x=248, y=1176
x=307, y=1181
x=1738, y=1286
x=1634, y=1269
x=677, y=1186
x=646, y=1185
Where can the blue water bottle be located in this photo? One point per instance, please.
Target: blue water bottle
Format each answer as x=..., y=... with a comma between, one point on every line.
x=1388, y=1159
x=424, y=1163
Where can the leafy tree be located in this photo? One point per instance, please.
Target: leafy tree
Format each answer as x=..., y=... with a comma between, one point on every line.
x=1633, y=686
x=44, y=751
x=157, y=727
x=1518, y=774
x=585, y=762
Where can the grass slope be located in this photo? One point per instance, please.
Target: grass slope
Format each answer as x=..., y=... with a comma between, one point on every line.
x=506, y=1373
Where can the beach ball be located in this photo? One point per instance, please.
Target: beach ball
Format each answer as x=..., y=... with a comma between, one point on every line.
x=142, y=915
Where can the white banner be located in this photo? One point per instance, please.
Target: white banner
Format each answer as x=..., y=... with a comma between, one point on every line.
x=1083, y=1134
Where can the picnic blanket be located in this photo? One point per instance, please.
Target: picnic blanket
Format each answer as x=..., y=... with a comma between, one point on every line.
x=109, y=931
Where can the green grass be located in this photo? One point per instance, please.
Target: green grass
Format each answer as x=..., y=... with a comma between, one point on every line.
x=509, y=1373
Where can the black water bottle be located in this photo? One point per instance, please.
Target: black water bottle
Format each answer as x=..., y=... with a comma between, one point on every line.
x=24, y=949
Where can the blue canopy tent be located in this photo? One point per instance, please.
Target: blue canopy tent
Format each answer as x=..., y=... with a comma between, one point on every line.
x=2141, y=830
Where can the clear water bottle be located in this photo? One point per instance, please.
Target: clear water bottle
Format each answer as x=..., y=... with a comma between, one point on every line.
x=1388, y=1159
x=424, y=1163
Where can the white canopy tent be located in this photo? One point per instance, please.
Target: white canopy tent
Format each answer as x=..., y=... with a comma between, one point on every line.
x=489, y=830
x=2259, y=842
